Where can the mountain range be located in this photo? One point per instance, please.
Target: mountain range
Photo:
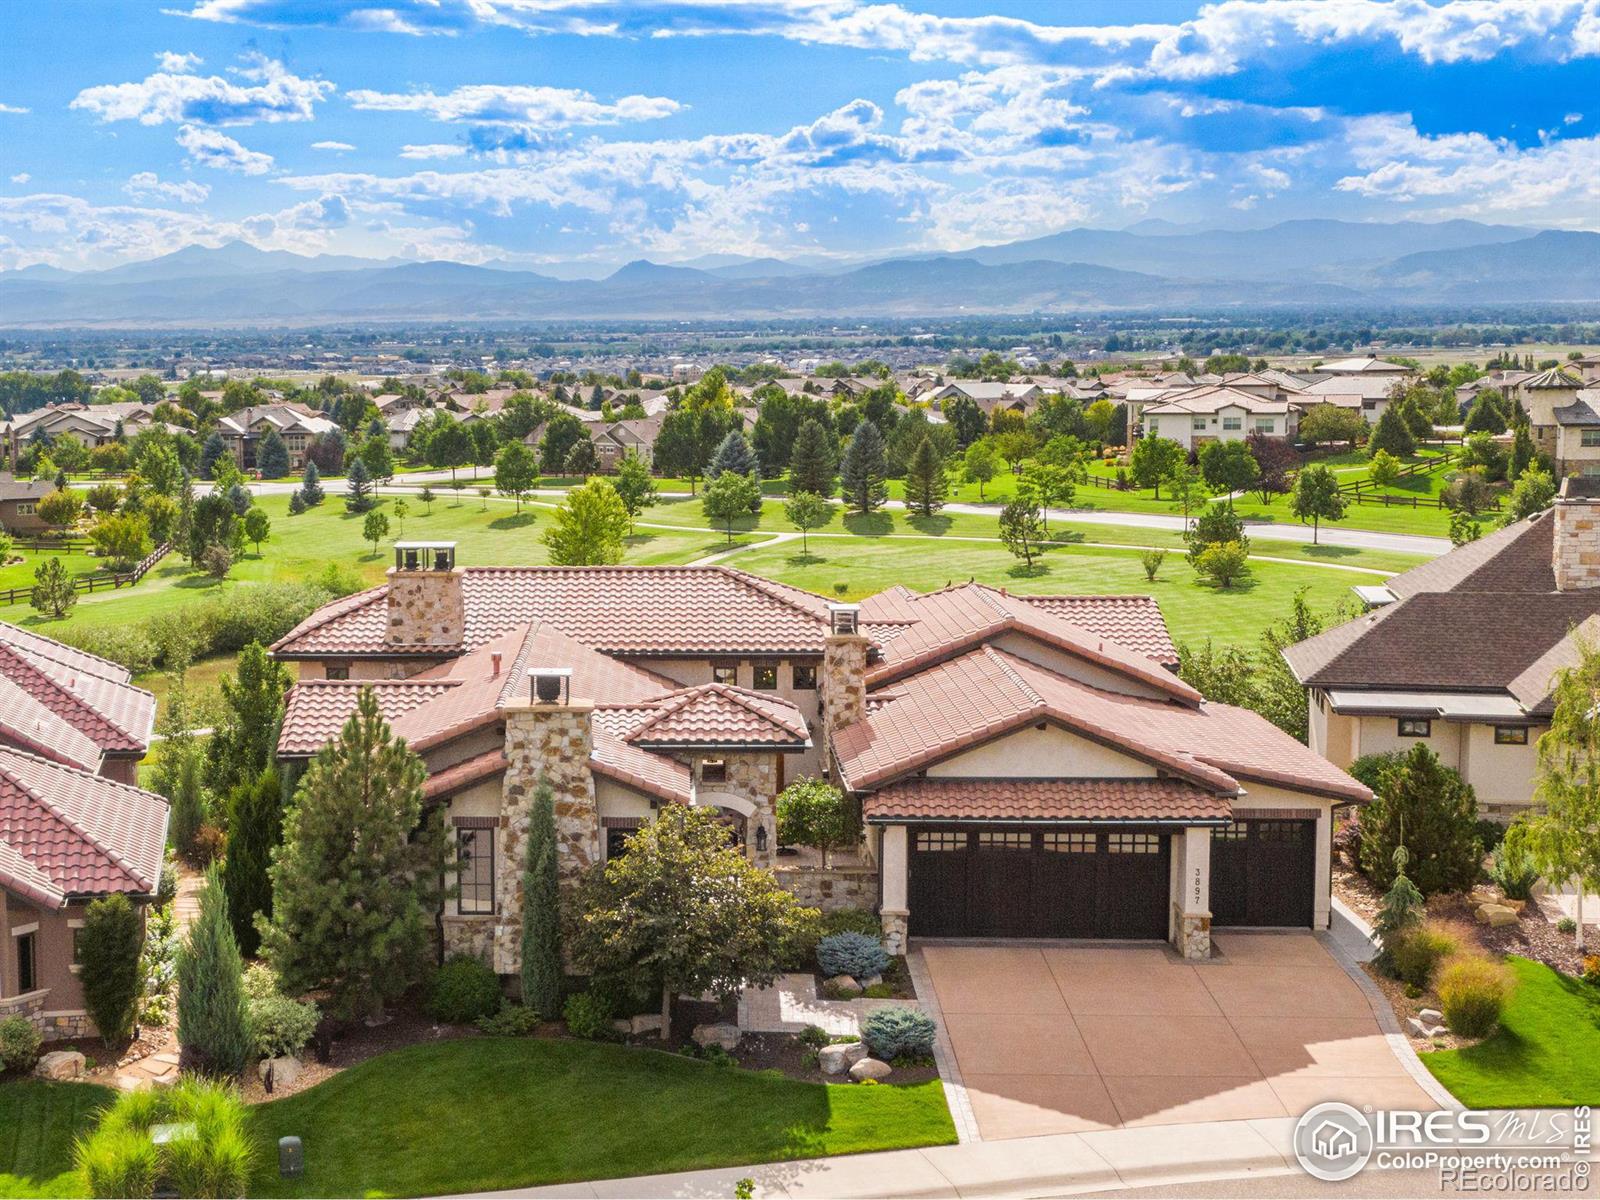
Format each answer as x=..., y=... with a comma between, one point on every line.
x=1152, y=265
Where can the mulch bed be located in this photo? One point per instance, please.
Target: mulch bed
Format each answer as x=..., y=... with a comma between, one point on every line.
x=787, y=1053
x=897, y=976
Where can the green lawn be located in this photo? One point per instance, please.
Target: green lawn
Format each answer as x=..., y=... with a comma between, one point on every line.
x=20, y=575
x=1546, y=1052
x=38, y=1125
x=489, y=1113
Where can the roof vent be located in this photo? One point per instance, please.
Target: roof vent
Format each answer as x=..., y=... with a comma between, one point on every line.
x=550, y=685
x=844, y=618
x=424, y=556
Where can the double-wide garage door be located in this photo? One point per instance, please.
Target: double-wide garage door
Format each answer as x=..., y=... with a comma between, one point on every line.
x=1045, y=883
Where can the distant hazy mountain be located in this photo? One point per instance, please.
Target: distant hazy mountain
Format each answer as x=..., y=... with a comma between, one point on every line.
x=1319, y=262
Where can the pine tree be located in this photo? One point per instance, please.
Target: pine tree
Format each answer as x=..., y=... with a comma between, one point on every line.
x=247, y=728
x=1390, y=434
x=211, y=1016
x=734, y=454
x=1399, y=913
x=272, y=456
x=541, y=909
x=357, y=881
x=311, y=486
x=862, y=475
x=1522, y=451
x=255, y=827
x=358, y=487
x=212, y=449
x=926, y=487
x=814, y=460
x=238, y=499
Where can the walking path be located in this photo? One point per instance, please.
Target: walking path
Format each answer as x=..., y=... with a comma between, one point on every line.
x=161, y=1067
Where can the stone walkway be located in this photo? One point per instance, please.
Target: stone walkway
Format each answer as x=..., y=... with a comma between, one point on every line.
x=161, y=1068
x=792, y=1003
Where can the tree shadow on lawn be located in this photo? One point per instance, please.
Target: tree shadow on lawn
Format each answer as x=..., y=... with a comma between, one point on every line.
x=805, y=559
x=1244, y=583
x=1321, y=550
x=516, y=520
x=873, y=524
x=1022, y=570
x=935, y=526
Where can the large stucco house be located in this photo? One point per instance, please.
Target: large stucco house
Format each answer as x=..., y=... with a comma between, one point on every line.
x=1194, y=416
x=73, y=828
x=1461, y=653
x=1024, y=766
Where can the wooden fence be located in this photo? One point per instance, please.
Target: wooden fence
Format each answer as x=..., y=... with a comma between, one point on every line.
x=93, y=583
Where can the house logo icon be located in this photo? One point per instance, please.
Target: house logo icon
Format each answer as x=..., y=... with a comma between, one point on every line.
x=1333, y=1141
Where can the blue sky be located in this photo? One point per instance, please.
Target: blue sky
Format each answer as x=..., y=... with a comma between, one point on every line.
x=590, y=131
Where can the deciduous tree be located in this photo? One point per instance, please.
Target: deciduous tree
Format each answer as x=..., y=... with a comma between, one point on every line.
x=1153, y=461
x=807, y=511
x=515, y=471
x=636, y=487
x=588, y=529
x=1317, y=497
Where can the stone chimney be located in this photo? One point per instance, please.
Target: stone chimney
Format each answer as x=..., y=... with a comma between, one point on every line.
x=843, y=686
x=1575, y=538
x=425, y=605
x=548, y=735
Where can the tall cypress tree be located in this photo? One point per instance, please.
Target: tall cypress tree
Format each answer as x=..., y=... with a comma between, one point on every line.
x=926, y=487
x=813, y=461
x=211, y=1016
x=255, y=827
x=863, y=474
x=541, y=918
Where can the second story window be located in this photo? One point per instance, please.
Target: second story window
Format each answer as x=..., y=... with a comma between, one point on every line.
x=1415, y=727
x=1510, y=735
x=725, y=672
x=339, y=672
x=805, y=677
x=1590, y=438
x=713, y=770
x=766, y=676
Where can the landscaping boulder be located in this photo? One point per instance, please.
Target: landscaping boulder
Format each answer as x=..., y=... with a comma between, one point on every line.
x=644, y=1023
x=842, y=983
x=840, y=1057
x=623, y=1026
x=60, y=1064
x=1424, y=1029
x=1431, y=1016
x=1481, y=896
x=726, y=1036
x=870, y=1068
x=285, y=1071
x=1515, y=905
x=1497, y=915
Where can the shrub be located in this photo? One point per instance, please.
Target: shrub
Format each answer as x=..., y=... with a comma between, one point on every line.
x=852, y=920
x=1566, y=925
x=1347, y=838
x=1151, y=561
x=118, y=1159
x=1472, y=994
x=588, y=1015
x=513, y=1020
x=109, y=945
x=279, y=1027
x=814, y=1036
x=1434, y=812
x=1513, y=872
x=19, y=1044
x=854, y=954
x=1591, y=968
x=1417, y=955
x=1491, y=834
x=891, y=1033
x=464, y=990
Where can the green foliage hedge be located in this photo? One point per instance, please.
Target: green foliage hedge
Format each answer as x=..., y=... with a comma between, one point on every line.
x=464, y=990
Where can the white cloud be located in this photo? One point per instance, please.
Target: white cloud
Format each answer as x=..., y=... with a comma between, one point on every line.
x=433, y=150
x=14, y=108
x=518, y=105
x=339, y=146
x=1572, y=118
x=262, y=90
x=175, y=63
x=146, y=185
x=210, y=148
x=21, y=177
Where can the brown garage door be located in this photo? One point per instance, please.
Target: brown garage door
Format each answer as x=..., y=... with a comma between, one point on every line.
x=1032, y=882
x=1264, y=872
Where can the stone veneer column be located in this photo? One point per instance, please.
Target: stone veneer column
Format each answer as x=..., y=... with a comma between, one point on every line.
x=425, y=608
x=1191, y=902
x=752, y=778
x=555, y=741
x=893, y=863
x=1575, y=543
x=843, y=686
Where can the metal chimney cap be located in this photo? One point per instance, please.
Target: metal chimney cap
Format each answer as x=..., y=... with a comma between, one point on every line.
x=835, y=607
x=562, y=672
x=424, y=545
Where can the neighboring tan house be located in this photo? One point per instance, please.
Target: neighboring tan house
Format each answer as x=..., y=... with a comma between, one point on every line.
x=1578, y=434
x=1196, y=416
x=1462, y=652
x=612, y=442
x=1366, y=394
x=19, y=501
x=1541, y=396
x=989, y=396
x=1022, y=768
x=1365, y=366
x=72, y=826
x=298, y=425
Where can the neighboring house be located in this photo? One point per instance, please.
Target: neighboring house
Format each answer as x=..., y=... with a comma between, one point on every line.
x=1540, y=396
x=1367, y=366
x=1023, y=768
x=989, y=396
x=404, y=423
x=1462, y=653
x=1196, y=416
x=1366, y=394
x=1578, y=434
x=612, y=442
x=19, y=504
x=92, y=424
x=72, y=828
x=298, y=425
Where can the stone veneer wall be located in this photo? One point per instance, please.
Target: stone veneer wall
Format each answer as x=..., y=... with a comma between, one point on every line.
x=1192, y=936
x=843, y=685
x=1575, y=550
x=425, y=608
x=831, y=888
x=752, y=778
x=55, y=1026
x=555, y=741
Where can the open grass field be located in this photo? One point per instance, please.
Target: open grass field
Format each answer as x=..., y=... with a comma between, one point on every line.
x=1546, y=1052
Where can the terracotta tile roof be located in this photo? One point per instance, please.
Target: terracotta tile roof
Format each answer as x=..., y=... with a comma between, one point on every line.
x=629, y=610
x=318, y=708
x=716, y=714
x=1134, y=622
x=464, y=774
x=656, y=774
x=68, y=705
x=66, y=832
x=968, y=701
x=1046, y=800
x=956, y=619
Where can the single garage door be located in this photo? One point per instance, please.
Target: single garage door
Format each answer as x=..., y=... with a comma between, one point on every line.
x=1264, y=872
x=1045, y=883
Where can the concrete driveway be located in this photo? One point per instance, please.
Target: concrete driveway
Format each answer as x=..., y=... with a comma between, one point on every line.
x=1070, y=1038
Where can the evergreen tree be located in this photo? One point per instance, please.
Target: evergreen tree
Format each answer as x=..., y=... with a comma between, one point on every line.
x=358, y=879
x=108, y=947
x=1486, y=416
x=1399, y=914
x=212, y=449
x=180, y=767
x=53, y=593
x=863, y=473
x=238, y=499
x=1430, y=809
x=734, y=454
x=212, y=1026
x=272, y=456
x=246, y=731
x=1522, y=451
x=255, y=828
x=1390, y=434
x=926, y=487
x=310, y=491
x=541, y=909
x=358, y=488
x=813, y=460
